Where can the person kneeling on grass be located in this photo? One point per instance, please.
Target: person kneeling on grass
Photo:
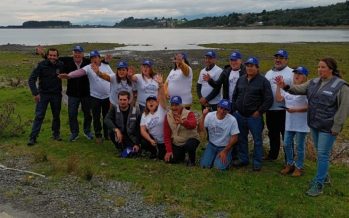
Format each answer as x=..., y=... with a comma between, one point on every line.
x=223, y=133
x=180, y=133
x=123, y=122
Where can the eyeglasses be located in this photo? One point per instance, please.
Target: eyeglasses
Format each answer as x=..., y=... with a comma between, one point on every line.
x=279, y=57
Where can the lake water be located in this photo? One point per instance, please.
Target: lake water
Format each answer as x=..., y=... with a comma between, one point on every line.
x=172, y=39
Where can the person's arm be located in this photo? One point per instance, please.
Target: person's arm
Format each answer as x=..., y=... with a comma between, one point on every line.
x=278, y=95
x=213, y=94
x=190, y=121
x=185, y=68
x=167, y=136
x=161, y=91
x=343, y=110
x=198, y=90
x=76, y=73
x=202, y=120
x=145, y=134
x=32, y=81
x=267, y=97
x=104, y=76
x=218, y=83
x=225, y=152
x=109, y=119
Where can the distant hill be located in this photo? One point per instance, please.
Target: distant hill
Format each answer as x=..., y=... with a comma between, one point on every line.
x=332, y=15
x=46, y=24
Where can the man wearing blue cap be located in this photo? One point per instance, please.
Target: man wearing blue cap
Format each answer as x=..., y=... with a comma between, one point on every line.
x=229, y=76
x=275, y=116
x=180, y=133
x=252, y=97
x=99, y=90
x=209, y=96
x=223, y=130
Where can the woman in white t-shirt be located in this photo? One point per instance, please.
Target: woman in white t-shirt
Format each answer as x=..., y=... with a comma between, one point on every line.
x=119, y=82
x=145, y=83
x=179, y=81
x=152, y=123
x=296, y=127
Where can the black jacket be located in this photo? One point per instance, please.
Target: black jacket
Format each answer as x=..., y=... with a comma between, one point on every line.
x=76, y=87
x=224, y=79
x=253, y=95
x=114, y=119
x=47, y=73
x=212, y=94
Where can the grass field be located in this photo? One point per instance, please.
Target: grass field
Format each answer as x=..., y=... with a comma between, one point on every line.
x=194, y=192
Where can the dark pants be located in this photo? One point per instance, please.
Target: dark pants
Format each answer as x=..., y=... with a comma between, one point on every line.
x=40, y=111
x=73, y=108
x=189, y=147
x=158, y=151
x=276, y=126
x=212, y=107
x=98, y=106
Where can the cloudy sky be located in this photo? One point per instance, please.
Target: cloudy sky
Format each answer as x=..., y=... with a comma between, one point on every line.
x=15, y=12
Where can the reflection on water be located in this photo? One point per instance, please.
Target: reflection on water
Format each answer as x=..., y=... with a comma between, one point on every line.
x=170, y=39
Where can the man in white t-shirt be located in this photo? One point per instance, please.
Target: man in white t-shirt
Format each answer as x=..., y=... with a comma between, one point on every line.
x=275, y=116
x=223, y=132
x=99, y=91
x=209, y=96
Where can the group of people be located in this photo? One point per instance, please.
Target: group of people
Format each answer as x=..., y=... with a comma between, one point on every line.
x=136, y=117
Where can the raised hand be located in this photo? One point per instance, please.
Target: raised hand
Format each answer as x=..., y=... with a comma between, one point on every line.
x=206, y=77
x=108, y=58
x=159, y=79
x=279, y=81
x=40, y=50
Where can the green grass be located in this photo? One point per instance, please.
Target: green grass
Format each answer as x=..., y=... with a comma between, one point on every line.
x=194, y=192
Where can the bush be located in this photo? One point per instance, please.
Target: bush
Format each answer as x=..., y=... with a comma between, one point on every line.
x=10, y=123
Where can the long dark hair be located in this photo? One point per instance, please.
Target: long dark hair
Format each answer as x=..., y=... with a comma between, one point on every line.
x=118, y=78
x=332, y=64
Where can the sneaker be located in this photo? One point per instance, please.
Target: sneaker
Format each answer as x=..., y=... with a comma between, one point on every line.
x=256, y=169
x=99, y=140
x=287, y=169
x=298, y=172
x=315, y=190
x=238, y=163
x=57, y=138
x=89, y=135
x=73, y=137
x=31, y=142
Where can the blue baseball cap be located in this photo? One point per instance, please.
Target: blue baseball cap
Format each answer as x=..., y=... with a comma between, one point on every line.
x=122, y=64
x=301, y=70
x=252, y=60
x=176, y=100
x=148, y=63
x=225, y=104
x=151, y=97
x=235, y=56
x=211, y=54
x=78, y=48
x=94, y=53
x=282, y=53
x=127, y=152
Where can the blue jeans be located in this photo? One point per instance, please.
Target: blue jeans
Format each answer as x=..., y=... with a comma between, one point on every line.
x=289, y=148
x=255, y=125
x=323, y=143
x=40, y=112
x=210, y=158
x=73, y=108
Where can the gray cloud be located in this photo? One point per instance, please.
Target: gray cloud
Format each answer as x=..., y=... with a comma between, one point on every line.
x=111, y=11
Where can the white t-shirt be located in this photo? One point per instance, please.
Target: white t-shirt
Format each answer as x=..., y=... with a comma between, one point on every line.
x=206, y=89
x=116, y=87
x=233, y=78
x=180, y=85
x=154, y=123
x=145, y=87
x=287, y=74
x=99, y=88
x=220, y=131
x=295, y=121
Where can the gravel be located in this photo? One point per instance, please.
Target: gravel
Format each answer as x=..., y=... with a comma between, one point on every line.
x=23, y=195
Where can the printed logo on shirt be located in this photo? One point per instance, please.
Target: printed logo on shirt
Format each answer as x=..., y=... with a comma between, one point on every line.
x=153, y=122
x=151, y=88
x=216, y=130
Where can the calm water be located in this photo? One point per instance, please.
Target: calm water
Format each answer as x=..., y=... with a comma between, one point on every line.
x=159, y=39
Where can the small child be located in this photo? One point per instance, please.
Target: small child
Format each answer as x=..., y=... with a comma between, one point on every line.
x=296, y=124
